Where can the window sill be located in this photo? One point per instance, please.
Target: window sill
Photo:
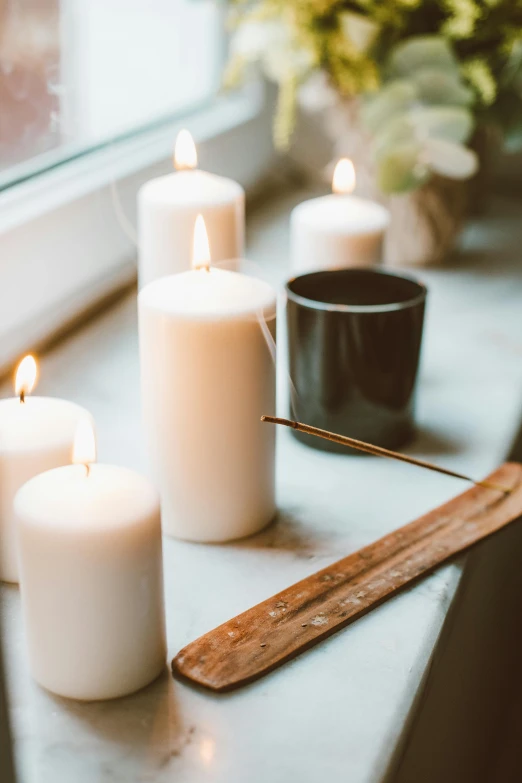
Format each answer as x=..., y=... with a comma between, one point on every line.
x=413, y=684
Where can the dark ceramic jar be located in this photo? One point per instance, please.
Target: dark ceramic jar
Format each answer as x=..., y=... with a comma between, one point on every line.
x=354, y=346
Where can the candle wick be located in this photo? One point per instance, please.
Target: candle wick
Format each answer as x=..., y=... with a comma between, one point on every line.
x=87, y=470
x=22, y=396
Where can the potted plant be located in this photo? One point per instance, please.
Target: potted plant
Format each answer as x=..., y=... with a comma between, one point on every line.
x=407, y=88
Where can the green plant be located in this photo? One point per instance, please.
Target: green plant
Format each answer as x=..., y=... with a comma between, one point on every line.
x=427, y=72
x=421, y=118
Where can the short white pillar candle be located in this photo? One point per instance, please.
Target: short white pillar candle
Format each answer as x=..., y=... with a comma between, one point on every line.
x=168, y=207
x=36, y=434
x=207, y=377
x=91, y=581
x=339, y=230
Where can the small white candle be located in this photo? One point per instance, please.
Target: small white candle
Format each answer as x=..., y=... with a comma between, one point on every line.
x=207, y=377
x=168, y=207
x=339, y=230
x=89, y=541
x=36, y=434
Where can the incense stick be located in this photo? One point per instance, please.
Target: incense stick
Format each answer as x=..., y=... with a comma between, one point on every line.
x=378, y=451
x=285, y=625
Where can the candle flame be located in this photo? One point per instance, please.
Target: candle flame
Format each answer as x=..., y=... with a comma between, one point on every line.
x=343, y=181
x=185, y=155
x=26, y=374
x=84, y=448
x=200, y=247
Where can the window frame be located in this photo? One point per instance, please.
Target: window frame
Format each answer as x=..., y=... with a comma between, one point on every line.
x=67, y=235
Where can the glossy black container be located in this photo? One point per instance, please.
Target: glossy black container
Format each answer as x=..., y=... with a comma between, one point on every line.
x=354, y=346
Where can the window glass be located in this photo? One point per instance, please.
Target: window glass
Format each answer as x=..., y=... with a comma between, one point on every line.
x=76, y=74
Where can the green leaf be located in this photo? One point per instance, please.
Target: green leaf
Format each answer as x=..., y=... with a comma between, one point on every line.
x=398, y=132
x=422, y=51
x=436, y=86
x=444, y=122
x=401, y=170
x=413, y=127
x=449, y=159
x=391, y=100
x=359, y=30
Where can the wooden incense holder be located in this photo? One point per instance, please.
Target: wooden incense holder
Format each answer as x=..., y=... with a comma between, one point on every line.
x=276, y=630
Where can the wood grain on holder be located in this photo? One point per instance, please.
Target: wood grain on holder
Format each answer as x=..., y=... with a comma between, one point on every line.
x=267, y=635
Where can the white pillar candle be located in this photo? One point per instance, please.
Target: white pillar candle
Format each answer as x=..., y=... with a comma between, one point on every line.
x=339, y=230
x=168, y=207
x=207, y=377
x=89, y=541
x=36, y=434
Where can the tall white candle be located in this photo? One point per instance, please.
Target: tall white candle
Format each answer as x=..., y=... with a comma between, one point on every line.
x=168, y=207
x=89, y=540
x=36, y=434
x=339, y=230
x=207, y=377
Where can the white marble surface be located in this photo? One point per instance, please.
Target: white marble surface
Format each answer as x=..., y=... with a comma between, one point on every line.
x=338, y=711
